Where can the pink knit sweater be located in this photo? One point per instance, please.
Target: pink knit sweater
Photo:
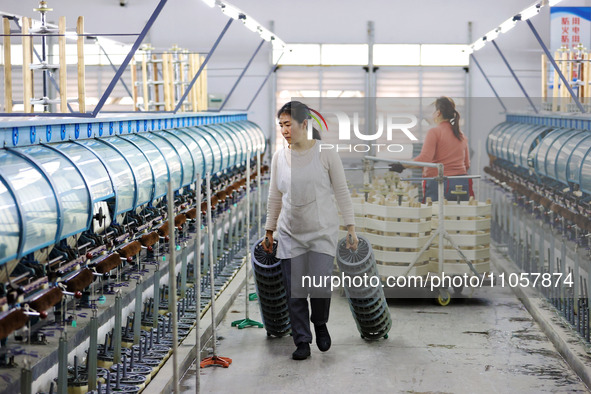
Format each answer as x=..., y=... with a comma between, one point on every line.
x=442, y=146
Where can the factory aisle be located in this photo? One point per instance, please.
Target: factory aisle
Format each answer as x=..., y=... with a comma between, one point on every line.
x=486, y=344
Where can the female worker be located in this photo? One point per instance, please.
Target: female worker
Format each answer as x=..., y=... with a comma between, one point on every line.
x=302, y=213
x=444, y=144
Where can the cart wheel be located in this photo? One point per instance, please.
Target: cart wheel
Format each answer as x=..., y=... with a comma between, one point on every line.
x=458, y=290
x=444, y=298
x=268, y=334
x=386, y=336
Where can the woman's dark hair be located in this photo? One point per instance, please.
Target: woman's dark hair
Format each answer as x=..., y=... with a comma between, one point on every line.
x=447, y=108
x=299, y=112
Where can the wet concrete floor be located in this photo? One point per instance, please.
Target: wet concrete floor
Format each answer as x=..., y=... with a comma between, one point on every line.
x=484, y=343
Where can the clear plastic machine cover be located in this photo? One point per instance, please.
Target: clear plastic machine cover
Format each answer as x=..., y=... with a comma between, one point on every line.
x=9, y=225
x=564, y=154
x=216, y=151
x=183, y=153
x=221, y=141
x=133, y=168
x=157, y=161
x=206, y=149
x=139, y=165
x=230, y=140
x=506, y=144
x=121, y=174
x=235, y=132
x=493, y=136
x=548, y=151
x=248, y=138
x=194, y=148
x=38, y=203
x=257, y=133
x=70, y=188
x=92, y=168
x=172, y=158
x=585, y=173
x=530, y=141
x=576, y=160
x=540, y=152
x=502, y=133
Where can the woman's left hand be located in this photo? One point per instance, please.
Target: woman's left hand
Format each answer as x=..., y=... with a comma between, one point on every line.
x=352, y=240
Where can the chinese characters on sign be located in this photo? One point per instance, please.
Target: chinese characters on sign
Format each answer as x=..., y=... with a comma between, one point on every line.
x=571, y=31
x=570, y=27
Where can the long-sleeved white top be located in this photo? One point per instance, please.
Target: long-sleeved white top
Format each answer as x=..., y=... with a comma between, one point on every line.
x=301, y=208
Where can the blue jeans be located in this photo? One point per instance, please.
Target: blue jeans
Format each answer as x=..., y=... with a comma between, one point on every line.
x=430, y=189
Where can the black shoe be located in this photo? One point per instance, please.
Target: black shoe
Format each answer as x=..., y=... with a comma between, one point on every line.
x=322, y=337
x=302, y=352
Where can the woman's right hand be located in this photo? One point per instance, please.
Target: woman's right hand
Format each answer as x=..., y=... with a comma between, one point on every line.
x=268, y=242
x=396, y=167
x=352, y=240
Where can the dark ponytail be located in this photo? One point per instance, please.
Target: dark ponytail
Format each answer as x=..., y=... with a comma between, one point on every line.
x=447, y=108
x=299, y=112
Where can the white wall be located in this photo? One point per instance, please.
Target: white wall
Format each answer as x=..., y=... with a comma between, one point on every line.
x=192, y=24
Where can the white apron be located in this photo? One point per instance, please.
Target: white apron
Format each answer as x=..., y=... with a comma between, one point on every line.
x=309, y=218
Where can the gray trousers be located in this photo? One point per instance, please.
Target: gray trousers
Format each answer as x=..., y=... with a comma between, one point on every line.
x=315, y=265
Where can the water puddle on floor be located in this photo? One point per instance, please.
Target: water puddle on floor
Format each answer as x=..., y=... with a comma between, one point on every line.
x=441, y=346
x=487, y=333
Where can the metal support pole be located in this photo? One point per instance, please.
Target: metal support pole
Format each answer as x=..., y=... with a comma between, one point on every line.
x=62, y=371
x=440, y=229
x=92, y=352
x=137, y=319
x=248, y=211
x=197, y=273
x=515, y=76
x=202, y=66
x=44, y=61
x=125, y=63
x=210, y=228
x=113, y=67
x=184, y=272
x=271, y=71
x=237, y=223
x=26, y=379
x=172, y=298
x=51, y=78
x=488, y=81
x=259, y=198
x=551, y=58
x=247, y=322
x=371, y=84
x=215, y=243
x=156, y=303
x=214, y=359
x=221, y=244
x=231, y=231
x=117, y=330
x=272, y=102
x=541, y=249
x=241, y=75
x=468, y=77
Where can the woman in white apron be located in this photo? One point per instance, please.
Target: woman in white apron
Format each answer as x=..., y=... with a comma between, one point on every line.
x=302, y=216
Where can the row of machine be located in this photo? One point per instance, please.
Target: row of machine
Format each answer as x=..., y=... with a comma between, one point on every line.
x=539, y=179
x=87, y=214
